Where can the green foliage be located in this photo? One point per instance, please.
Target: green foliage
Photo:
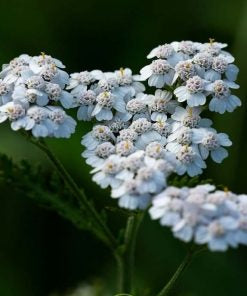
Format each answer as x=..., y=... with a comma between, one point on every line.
x=47, y=189
x=187, y=181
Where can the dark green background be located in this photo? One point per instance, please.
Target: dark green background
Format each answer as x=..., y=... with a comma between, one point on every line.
x=41, y=253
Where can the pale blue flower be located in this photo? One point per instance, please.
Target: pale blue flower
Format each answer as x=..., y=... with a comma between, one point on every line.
x=127, y=84
x=134, y=201
x=12, y=111
x=186, y=49
x=105, y=102
x=167, y=52
x=12, y=72
x=63, y=125
x=221, y=66
x=219, y=234
x=56, y=93
x=182, y=136
x=37, y=120
x=50, y=69
x=5, y=92
x=98, y=135
x=30, y=96
x=216, y=218
x=97, y=157
x=189, y=117
x=159, y=73
x=222, y=99
x=129, y=195
x=193, y=92
x=211, y=143
x=85, y=100
x=80, y=81
x=189, y=161
x=105, y=173
x=160, y=104
x=135, y=108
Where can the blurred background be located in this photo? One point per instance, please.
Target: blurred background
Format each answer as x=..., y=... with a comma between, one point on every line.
x=40, y=253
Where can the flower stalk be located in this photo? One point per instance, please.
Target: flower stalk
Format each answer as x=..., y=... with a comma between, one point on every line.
x=105, y=233
x=126, y=255
x=167, y=290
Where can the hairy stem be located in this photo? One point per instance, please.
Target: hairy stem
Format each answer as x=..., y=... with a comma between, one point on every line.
x=126, y=257
x=106, y=234
x=181, y=268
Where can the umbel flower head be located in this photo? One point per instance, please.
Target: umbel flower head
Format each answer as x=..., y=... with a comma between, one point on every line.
x=102, y=95
x=33, y=95
x=204, y=215
x=143, y=138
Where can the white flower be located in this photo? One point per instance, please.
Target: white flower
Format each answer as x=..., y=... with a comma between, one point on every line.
x=29, y=96
x=193, y=92
x=131, y=164
x=127, y=134
x=49, y=69
x=221, y=66
x=143, y=128
x=167, y=52
x=161, y=103
x=163, y=126
x=187, y=48
x=212, y=47
x=99, y=134
x=106, y=101
x=5, y=92
x=85, y=100
x=135, y=108
x=203, y=60
x=222, y=99
x=189, y=161
x=117, y=124
x=168, y=205
x=182, y=136
x=129, y=194
x=55, y=93
x=189, y=117
x=210, y=142
x=216, y=218
x=219, y=234
x=146, y=137
x=127, y=83
x=12, y=111
x=13, y=71
x=97, y=157
x=38, y=121
x=64, y=125
x=125, y=148
x=106, y=173
x=185, y=70
x=159, y=73
x=79, y=81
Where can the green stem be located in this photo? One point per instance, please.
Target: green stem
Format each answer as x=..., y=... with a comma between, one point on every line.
x=126, y=258
x=181, y=268
x=106, y=236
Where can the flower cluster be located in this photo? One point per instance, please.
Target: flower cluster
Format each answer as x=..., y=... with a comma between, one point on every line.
x=30, y=90
x=142, y=138
x=102, y=95
x=202, y=214
x=198, y=72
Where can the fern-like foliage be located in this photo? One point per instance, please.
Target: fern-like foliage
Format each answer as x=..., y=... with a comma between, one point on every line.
x=47, y=189
x=187, y=181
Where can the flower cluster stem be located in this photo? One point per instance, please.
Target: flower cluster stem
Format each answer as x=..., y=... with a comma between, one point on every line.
x=126, y=256
x=106, y=236
x=180, y=270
